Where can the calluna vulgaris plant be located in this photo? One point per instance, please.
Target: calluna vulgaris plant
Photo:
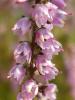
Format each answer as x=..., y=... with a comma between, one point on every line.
x=34, y=67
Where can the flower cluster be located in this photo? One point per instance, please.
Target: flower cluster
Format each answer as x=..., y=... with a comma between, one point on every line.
x=34, y=67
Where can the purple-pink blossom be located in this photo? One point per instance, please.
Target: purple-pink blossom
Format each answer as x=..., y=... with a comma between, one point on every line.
x=54, y=48
x=22, y=53
x=17, y=73
x=22, y=27
x=29, y=90
x=49, y=93
x=42, y=35
x=47, y=42
x=59, y=18
x=46, y=68
x=40, y=15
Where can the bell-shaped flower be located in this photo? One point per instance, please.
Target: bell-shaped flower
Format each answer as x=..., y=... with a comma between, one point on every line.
x=41, y=36
x=46, y=68
x=40, y=15
x=49, y=93
x=22, y=26
x=59, y=18
x=17, y=74
x=52, y=10
x=22, y=53
x=29, y=90
x=56, y=14
x=52, y=48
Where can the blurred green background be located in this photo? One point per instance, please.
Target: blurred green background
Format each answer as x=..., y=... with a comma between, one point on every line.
x=9, y=14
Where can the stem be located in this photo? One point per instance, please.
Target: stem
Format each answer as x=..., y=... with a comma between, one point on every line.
x=32, y=69
x=33, y=44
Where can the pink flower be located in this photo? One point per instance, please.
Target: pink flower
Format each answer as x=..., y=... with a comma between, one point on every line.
x=59, y=18
x=49, y=93
x=17, y=73
x=29, y=90
x=51, y=15
x=54, y=48
x=40, y=15
x=22, y=26
x=44, y=17
x=46, y=68
x=42, y=35
x=22, y=53
x=56, y=14
x=52, y=44
x=47, y=42
x=52, y=10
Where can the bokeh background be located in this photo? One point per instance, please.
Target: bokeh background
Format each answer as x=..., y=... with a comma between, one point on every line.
x=9, y=14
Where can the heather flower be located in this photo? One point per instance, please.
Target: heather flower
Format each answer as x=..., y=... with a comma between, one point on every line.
x=59, y=18
x=50, y=15
x=44, y=17
x=42, y=35
x=29, y=90
x=54, y=48
x=17, y=73
x=56, y=14
x=49, y=93
x=46, y=68
x=52, y=10
x=60, y=3
x=40, y=15
x=22, y=53
x=53, y=45
x=46, y=40
x=22, y=26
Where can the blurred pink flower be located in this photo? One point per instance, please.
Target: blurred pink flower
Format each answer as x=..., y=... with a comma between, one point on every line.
x=22, y=27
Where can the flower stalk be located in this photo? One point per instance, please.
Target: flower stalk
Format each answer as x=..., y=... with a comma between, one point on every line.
x=34, y=67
